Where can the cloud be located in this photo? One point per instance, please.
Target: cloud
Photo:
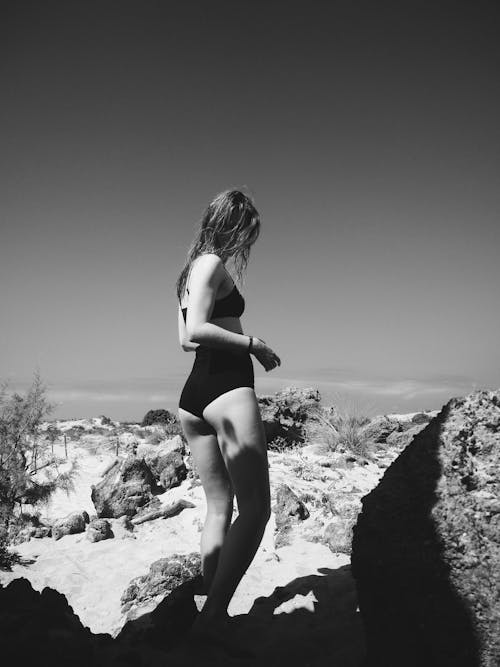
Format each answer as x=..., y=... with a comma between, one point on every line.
x=406, y=389
x=68, y=395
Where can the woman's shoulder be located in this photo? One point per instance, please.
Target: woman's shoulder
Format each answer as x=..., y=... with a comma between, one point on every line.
x=209, y=261
x=209, y=265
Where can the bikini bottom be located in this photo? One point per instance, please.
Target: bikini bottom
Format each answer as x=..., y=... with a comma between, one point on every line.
x=214, y=373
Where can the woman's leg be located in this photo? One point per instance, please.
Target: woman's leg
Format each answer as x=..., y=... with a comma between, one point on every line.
x=235, y=416
x=214, y=478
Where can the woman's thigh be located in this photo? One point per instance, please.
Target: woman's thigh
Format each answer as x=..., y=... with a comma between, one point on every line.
x=235, y=416
x=208, y=460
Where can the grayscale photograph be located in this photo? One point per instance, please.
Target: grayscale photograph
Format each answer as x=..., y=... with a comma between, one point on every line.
x=250, y=325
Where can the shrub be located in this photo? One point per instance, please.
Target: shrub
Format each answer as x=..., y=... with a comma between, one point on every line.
x=339, y=430
x=280, y=444
x=28, y=469
x=105, y=421
x=157, y=417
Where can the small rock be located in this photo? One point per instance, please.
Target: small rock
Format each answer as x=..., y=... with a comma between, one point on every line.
x=70, y=524
x=99, y=529
x=42, y=531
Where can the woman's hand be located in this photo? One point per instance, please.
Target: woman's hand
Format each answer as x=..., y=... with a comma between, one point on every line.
x=264, y=354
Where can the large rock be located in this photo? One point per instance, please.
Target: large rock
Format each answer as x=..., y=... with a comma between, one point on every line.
x=125, y=488
x=173, y=471
x=380, y=428
x=285, y=414
x=426, y=547
x=164, y=575
x=75, y=522
x=401, y=439
x=337, y=534
x=165, y=461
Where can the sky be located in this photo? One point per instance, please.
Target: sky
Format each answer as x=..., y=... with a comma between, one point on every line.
x=367, y=134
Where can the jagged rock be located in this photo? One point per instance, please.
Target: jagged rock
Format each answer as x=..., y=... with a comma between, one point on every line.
x=70, y=524
x=125, y=488
x=289, y=510
x=166, y=624
x=338, y=533
x=163, y=577
x=285, y=414
x=426, y=546
x=99, y=529
x=173, y=472
x=402, y=439
x=165, y=461
x=42, y=629
x=150, y=452
x=421, y=418
x=288, y=507
x=380, y=428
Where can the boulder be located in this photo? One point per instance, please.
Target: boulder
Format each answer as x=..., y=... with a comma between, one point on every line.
x=98, y=530
x=421, y=418
x=380, y=428
x=164, y=575
x=173, y=470
x=165, y=461
x=402, y=439
x=124, y=488
x=337, y=534
x=75, y=522
x=285, y=414
x=426, y=545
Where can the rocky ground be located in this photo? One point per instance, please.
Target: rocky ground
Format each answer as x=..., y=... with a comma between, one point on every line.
x=297, y=601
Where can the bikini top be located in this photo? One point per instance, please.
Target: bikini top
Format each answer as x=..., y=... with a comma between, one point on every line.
x=231, y=305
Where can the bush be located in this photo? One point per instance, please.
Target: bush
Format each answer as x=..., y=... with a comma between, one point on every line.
x=280, y=444
x=28, y=470
x=157, y=417
x=339, y=430
x=105, y=421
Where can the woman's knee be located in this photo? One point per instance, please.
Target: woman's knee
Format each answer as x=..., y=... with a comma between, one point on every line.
x=221, y=508
x=256, y=507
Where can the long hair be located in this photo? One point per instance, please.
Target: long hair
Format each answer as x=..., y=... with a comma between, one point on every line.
x=229, y=227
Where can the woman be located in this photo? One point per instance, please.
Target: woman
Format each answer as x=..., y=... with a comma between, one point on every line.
x=218, y=408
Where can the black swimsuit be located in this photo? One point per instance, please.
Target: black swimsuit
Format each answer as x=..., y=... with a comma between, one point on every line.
x=216, y=372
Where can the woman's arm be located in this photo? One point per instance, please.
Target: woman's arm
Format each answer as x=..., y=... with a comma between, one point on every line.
x=206, y=276
x=185, y=344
